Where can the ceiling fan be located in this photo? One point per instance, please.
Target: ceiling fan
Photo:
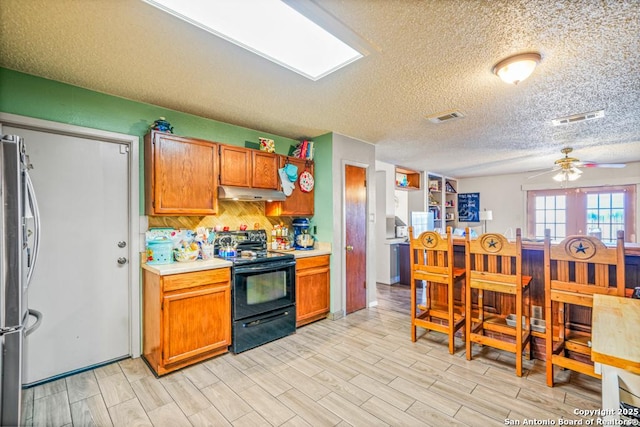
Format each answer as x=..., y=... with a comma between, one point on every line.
x=568, y=168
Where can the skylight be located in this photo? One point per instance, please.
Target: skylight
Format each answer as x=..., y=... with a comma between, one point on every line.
x=269, y=28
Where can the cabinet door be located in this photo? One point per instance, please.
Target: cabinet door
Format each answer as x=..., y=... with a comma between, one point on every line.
x=264, y=170
x=312, y=288
x=196, y=322
x=235, y=166
x=298, y=203
x=180, y=175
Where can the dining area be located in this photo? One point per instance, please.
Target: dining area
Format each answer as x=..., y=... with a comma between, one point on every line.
x=567, y=303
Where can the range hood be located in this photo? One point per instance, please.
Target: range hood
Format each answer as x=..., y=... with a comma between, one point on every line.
x=244, y=194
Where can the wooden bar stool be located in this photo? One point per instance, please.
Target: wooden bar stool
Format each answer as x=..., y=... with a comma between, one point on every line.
x=432, y=262
x=494, y=265
x=574, y=270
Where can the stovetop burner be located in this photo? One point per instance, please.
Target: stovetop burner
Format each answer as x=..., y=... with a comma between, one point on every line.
x=251, y=247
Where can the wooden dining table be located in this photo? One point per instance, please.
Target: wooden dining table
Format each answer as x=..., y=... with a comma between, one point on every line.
x=616, y=351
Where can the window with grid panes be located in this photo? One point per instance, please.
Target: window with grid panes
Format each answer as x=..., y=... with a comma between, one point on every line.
x=599, y=211
x=551, y=213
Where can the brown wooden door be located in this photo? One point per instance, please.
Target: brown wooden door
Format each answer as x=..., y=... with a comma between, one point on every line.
x=355, y=237
x=264, y=170
x=235, y=166
x=181, y=175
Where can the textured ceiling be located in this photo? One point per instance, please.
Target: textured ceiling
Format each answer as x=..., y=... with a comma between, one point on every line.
x=427, y=57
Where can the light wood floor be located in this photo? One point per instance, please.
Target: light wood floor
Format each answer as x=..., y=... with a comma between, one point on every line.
x=361, y=370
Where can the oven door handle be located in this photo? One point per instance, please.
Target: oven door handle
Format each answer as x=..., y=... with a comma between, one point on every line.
x=265, y=320
x=266, y=267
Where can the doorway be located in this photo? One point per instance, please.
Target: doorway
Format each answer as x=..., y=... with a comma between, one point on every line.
x=83, y=283
x=355, y=237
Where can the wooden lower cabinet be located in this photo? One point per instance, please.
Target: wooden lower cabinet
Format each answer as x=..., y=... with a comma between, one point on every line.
x=186, y=318
x=312, y=289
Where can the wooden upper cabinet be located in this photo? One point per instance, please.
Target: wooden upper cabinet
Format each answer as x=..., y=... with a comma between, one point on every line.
x=265, y=170
x=298, y=203
x=235, y=166
x=246, y=167
x=180, y=175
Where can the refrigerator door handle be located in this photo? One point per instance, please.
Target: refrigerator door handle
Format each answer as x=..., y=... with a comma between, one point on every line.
x=31, y=195
x=30, y=329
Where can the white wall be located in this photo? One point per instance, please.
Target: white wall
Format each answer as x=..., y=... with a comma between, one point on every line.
x=389, y=189
x=347, y=150
x=506, y=195
x=401, y=200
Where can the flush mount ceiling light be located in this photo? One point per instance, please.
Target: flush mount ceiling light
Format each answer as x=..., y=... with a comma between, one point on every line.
x=517, y=68
x=271, y=29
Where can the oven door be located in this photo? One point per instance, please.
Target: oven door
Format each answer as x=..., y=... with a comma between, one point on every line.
x=263, y=287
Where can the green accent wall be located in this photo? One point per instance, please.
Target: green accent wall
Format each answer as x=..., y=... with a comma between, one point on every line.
x=323, y=194
x=36, y=97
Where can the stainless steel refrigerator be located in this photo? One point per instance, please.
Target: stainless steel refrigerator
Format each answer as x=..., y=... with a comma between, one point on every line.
x=19, y=241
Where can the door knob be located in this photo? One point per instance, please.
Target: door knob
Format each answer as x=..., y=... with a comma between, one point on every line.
x=122, y=260
x=349, y=248
x=122, y=244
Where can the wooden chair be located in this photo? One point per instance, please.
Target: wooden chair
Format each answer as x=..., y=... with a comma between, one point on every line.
x=494, y=264
x=432, y=262
x=574, y=270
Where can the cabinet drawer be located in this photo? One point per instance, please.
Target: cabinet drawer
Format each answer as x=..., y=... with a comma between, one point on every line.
x=197, y=278
x=312, y=262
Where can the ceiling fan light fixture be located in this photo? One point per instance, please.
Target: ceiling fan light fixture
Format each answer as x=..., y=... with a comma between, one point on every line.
x=567, y=175
x=517, y=68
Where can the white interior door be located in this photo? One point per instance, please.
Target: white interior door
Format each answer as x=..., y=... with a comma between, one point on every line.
x=82, y=187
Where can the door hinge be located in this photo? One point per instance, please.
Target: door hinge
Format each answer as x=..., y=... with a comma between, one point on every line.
x=364, y=284
x=365, y=182
x=124, y=148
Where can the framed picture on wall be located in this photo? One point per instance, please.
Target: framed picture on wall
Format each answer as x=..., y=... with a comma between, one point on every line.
x=469, y=207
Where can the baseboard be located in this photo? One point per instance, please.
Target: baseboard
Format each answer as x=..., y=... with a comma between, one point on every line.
x=336, y=315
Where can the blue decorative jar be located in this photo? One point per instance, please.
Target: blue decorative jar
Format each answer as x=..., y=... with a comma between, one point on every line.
x=162, y=125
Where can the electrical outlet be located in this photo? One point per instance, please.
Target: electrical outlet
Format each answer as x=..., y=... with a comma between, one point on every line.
x=536, y=312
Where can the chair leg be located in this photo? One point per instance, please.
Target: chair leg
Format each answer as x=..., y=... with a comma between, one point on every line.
x=519, y=334
x=413, y=310
x=549, y=342
x=452, y=322
x=529, y=346
x=467, y=322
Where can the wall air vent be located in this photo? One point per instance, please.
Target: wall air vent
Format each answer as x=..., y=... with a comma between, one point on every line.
x=445, y=116
x=578, y=118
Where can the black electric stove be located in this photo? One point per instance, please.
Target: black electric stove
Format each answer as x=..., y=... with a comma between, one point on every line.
x=263, y=292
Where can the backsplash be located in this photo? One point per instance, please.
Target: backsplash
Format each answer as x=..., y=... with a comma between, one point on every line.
x=230, y=213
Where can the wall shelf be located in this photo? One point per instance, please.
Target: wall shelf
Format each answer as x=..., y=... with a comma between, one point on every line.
x=407, y=179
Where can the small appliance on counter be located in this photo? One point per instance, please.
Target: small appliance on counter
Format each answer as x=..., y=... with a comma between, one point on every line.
x=401, y=228
x=302, y=239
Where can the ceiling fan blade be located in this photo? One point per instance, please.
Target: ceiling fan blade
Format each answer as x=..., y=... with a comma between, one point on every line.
x=599, y=165
x=543, y=173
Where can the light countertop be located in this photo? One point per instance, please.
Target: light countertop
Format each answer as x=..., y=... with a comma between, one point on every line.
x=616, y=340
x=322, y=248
x=186, y=267
x=396, y=240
